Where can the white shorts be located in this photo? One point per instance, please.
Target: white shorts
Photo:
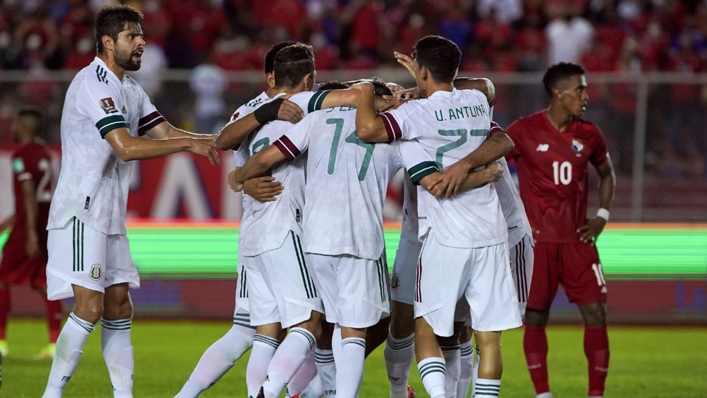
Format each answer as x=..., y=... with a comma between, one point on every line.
x=521, y=256
x=80, y=255
x=354, y=290
x=481, y=275
x=402, y=284
x=241, y=289
x=280, y=286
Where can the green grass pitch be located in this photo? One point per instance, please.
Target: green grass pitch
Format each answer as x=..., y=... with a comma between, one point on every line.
x=645, y=362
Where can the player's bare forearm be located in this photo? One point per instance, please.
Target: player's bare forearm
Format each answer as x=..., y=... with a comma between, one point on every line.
x=369, y=127
x=494, y=148
x=234, y=133
x=259, y=163
x=472, y=83
x=29, y=195
x=133, y=148
x=474, y=179
x=165, y=130
x=607, y=184
x=347, y=97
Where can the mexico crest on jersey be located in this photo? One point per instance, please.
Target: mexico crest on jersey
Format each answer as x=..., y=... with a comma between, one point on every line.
x=577, y=146
x=107, y=105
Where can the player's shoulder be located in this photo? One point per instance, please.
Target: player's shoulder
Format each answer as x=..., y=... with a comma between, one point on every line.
x=525, y=123
x=585, y=127
x=255, y=102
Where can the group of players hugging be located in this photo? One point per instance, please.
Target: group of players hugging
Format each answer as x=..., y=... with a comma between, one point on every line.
x=314, y=296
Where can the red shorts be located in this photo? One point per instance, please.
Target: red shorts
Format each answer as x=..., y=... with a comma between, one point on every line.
x=575, y=265
x=16, y=268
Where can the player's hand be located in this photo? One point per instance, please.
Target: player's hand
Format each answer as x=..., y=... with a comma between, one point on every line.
x=493, y=171
x=290, y=112
x=453, y=177
x=392, y=102
x=408, y=94
x=433, y=185
x=591, y=229
x=394, y=87
x=263, y=189
x=32, y=245
x=205, y=147
x=405, y=61
x=535, y=233
x=233, y=182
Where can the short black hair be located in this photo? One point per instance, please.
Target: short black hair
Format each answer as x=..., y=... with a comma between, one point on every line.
x=34, y=116
x=439, y=55
x=559, y=72
x=292, y=64
x=269, y=61
x=379, y=87
x=333, y=85
x=111, y=20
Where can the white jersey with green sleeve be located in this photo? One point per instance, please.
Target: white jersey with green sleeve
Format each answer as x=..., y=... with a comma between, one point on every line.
x=449, y=125
x=347, y=181
x=267, y=224
x=93, y=181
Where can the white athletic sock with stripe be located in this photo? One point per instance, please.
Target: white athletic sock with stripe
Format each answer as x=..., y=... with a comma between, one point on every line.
x=68, y=352
x=467, y=368
x=432, y=374
x=217, y=360
x=287, y=360
x=452, y=372
x=304, y=376
x=487, y=388
x=315, y=389
x=399, y=354
x=118, y=354
x=349, y=372
x=475, y=369
x=326, y=371
x=264, y=348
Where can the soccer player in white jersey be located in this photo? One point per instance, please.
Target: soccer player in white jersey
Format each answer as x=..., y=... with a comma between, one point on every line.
x=467, y=231
x=224, y=353
x=270, y=238
x=89, y=258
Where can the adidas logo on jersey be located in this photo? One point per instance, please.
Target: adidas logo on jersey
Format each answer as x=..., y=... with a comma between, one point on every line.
x=543, y=147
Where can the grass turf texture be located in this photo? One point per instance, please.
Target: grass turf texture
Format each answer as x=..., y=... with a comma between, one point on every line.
x=645, y=362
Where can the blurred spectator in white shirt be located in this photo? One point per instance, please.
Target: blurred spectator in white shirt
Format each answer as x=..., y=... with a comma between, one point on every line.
x=208, y=82
x=568, y=34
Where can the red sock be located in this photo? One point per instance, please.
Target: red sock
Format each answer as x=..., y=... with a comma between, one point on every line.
x=4, y=310
x=596, y=348
x=54, y=315
x=535, y=347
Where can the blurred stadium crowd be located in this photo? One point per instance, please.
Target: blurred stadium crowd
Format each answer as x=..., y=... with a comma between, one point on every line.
x=497, y=35
x=213, y=37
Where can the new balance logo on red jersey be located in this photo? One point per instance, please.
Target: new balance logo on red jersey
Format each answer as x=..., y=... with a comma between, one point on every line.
x=543, y=147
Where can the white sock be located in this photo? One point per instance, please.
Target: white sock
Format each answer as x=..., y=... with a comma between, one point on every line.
x=467, y=368
x=217, y=360
x=118, y=355
x=452, y=363
x=350, y=368
x=287, y=360
x=544, y=395
x=315, y=389
x=263, y=350
x=399, y=354
x=487, y=388
x=432, y=374
x=304, y=376
x=326, y=371
x=68, y=352
x=336, y=343
x=475, y=370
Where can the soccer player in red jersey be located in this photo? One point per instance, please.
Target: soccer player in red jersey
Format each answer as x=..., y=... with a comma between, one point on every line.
x=552, y=150
x=24, y=257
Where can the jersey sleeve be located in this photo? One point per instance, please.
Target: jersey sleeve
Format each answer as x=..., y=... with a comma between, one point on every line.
x=149, y=115
x=24, y=167
x=600, y=150
x=102, y=104
x=514, y=132
x=416, y=160
x=397, y=123
x=310, y=101
x=295, y=140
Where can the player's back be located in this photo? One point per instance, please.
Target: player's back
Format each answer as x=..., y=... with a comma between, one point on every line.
x=552, y=171
x=33, y=162
x=449, y=126
x=347, y=181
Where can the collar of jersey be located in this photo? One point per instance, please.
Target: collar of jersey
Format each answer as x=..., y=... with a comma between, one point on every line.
x=442, y=93
x=110, y=72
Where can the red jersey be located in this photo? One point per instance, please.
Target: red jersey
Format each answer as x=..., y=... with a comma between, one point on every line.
x=552, y=171
x=32, y=162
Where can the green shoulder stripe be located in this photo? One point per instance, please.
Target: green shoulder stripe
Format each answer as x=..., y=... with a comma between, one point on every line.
x=422, y=170
x=109, y=123
x=315, y=103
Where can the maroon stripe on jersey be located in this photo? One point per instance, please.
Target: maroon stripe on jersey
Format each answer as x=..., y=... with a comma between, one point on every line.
x=146, y=123
x=391, y=127
x=287, y=148
x=495, y=127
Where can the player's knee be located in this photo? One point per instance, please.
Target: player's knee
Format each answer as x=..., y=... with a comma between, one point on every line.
x=536, y=319
x=89, y=310
x=594, y=314
x=402, y=322
x=118, y=309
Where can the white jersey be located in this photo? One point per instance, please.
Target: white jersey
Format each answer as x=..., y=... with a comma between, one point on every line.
x=409, y=230
x=266, y=226
x=93, y=181
x=449, y=126
x=347, y=181
x=512, y=205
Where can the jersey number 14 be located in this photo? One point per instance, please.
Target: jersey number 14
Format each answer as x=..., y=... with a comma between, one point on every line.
x=351, y=139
